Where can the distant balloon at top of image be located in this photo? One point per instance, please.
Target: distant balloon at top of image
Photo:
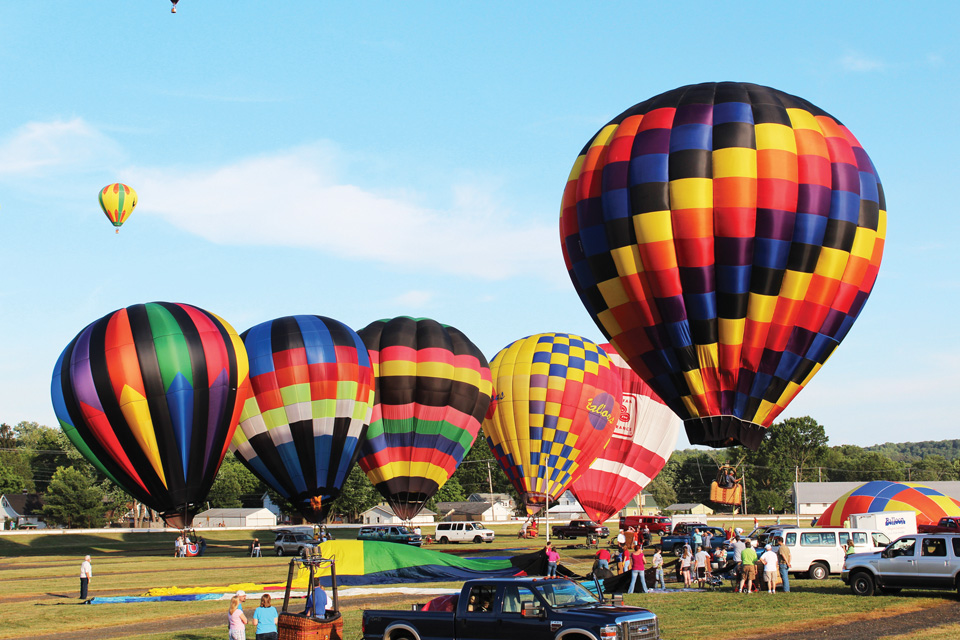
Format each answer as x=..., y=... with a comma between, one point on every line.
x=117, y=201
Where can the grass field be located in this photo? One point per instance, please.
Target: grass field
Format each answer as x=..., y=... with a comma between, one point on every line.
x=39, y=577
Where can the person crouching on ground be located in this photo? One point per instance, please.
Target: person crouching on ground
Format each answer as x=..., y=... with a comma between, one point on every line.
x=603, y=559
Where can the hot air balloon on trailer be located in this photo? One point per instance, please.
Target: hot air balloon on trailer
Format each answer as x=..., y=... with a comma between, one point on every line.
x=117, y=202
x=557, y=404
x=724, y=237
x=432, y=391
x=151, y=395
x=313, y=391
x=644, y=437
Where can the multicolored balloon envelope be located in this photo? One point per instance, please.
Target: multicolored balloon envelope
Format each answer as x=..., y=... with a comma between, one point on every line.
x=557, y=404
x=643, y=439
x=117, y=201
x=151, y=395
x=724, y=237
x=433, y=389
x=313, y=395
x=881, y=495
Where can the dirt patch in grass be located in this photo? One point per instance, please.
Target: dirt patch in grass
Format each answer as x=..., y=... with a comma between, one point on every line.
x=866, y=626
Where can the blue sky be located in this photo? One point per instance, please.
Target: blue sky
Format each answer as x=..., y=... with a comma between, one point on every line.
x=368, y=160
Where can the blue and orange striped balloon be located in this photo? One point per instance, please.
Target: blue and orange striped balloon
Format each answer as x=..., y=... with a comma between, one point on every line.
x=724, y=237
x=313, y=396
x=151, y=395
x=880, y=495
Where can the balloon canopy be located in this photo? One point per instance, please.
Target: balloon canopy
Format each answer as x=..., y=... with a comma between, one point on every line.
x=151, y=395
x=724, y=237
x=432, y=391
x=880, y=495
x=313, y=395
x=557, y=404
x=642, y=441
x=117, y=201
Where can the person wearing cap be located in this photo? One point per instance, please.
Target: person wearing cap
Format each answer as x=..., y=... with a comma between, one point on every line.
x=770, y=562
x=242, y=595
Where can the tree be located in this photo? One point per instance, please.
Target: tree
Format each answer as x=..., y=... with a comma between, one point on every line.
x=849, y=463
x=932, y=468
x=451, y=491
x=10, y=480
x=663, y=494
x=42, y=448
x=73, y=501
x=356, y=496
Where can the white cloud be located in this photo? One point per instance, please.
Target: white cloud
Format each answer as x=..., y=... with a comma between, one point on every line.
x=43, y=147
x=296, y=198
x=413, y=299
x=860, y=63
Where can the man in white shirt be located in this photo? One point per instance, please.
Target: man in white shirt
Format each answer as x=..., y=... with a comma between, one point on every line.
x=701, y=561
x=621, y=541
x=86, y=572
x=771, y=564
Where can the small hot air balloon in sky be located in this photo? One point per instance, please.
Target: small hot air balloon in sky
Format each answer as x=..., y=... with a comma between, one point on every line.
x=557, y=404
x=173, y=9
x=151, y=395
x=118, y=201
x=724, y=237
x=432, y=391
x=313, y=396
x=643, y=439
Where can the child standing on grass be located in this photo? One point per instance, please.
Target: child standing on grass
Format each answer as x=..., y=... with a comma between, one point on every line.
x=685, y=562
x=236, y=620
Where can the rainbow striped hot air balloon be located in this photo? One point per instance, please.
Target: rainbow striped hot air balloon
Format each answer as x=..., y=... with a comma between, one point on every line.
x=881, y=495
x=313, y=396
x=558, y=400
x=432, y=391
x=117, y=201
x=151, y=395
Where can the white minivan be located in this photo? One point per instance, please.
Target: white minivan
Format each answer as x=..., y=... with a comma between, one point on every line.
x=819, y=552
x=463, y=532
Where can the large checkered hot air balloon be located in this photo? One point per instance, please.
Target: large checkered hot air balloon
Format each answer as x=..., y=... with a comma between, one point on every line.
x=644, y=437
x=432, y=391
x=724, y=237
x=558, y=400
x=313, y=395
x=151, y=395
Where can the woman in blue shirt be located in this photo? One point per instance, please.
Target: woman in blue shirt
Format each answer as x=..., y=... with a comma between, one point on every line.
x=265, y=617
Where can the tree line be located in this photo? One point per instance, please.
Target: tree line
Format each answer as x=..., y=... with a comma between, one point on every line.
x=38, y=459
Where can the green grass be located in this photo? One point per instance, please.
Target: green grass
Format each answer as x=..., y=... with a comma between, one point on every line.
x=38, y=571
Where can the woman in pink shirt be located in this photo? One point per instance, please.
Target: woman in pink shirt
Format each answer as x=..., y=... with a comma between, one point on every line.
x=552, y=559
x=637, y=568
x=236, y=620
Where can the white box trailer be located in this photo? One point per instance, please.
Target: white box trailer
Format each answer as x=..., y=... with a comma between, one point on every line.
x=892, y=523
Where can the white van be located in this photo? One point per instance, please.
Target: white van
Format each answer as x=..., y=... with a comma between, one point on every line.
x=818, y=552
x=463, y=532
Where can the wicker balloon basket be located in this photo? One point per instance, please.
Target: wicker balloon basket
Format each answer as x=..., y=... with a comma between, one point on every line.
x=297, y=627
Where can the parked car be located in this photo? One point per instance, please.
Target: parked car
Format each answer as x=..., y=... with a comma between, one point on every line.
x=578, y=528
x=819, y=552
x=390, y=533
x=463, y=532
x=656, y=524
x=675, y=542
x=921, y=561
x=534, y=608
x=950, y=524
x=762, y=533
x=291, y=542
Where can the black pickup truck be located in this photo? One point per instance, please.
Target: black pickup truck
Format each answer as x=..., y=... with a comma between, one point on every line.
x=528, y=608
x=578, y=528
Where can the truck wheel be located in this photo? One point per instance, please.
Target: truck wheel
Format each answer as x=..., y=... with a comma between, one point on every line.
x=444, y=540
x=279, y=551
x=558, y=536
x=818, y=571
x=302, y=552
x=861, y=583
x=678, y=549
x=477, y=539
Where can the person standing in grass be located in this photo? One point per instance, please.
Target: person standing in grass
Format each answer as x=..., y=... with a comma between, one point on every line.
x=637, y=568
x=265, y=618
x=685, y=561
x=748, y=560
x=86, y=574
x=552, y=559
x=701, y=561
x=783, y=553
x=769, y=560
x=236, y=621
x=658, y=568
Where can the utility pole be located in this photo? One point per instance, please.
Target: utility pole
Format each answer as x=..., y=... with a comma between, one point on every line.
x=743, y=483
x=819, y=474
x=489, y=478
